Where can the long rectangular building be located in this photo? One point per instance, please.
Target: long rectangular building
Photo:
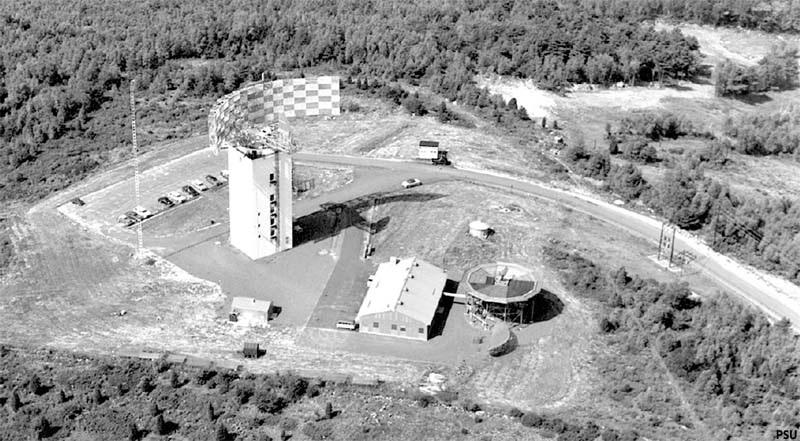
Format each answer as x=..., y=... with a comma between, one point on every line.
x=402, y=299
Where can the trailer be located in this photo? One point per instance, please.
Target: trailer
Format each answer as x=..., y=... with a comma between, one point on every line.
x=430, y=151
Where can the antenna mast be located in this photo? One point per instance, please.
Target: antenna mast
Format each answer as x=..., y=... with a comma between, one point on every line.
x=135, y=167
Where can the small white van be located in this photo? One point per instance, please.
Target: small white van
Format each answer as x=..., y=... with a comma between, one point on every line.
x=346, y=324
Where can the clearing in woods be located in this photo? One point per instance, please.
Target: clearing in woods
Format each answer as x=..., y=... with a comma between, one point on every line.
x=584, y=114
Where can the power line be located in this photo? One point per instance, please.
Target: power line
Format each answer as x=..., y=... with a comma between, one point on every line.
x=135, y=165
x=742, y=227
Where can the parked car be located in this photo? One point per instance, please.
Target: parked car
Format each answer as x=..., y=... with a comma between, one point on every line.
x=224, y=174
x=212, y=180
x=188, y=189
x=165, y=201
x=126, y=220
x=409, y=183
x=143, y=213
x=177, y=197
x=133, y=215
x=346, y=324
x=198, y=184
x=78, y=201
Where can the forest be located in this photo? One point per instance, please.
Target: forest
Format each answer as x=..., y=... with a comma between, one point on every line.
x=740, y=371
x=65, y=67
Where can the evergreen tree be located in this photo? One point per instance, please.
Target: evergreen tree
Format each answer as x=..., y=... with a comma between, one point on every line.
x=222, y=433
x=160, y=426
x=613, y=147
x=210, y=412
x=15, y=402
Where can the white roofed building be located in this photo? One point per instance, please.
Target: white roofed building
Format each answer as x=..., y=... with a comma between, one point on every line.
x=402, y=299
x=250, y=311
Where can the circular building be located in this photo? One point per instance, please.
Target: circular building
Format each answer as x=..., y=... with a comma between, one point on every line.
x=501, y=291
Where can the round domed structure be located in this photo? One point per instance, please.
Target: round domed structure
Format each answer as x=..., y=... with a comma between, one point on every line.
x=501, y=291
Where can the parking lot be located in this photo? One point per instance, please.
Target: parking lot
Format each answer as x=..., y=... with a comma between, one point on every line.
x=103, y=207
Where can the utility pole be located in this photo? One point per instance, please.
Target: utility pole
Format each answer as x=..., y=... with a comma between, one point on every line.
x=135, y=166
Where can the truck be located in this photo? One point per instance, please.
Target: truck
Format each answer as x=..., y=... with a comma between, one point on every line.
x=430, y=150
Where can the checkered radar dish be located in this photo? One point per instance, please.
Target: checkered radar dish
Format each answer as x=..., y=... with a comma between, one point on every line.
x=264, y=102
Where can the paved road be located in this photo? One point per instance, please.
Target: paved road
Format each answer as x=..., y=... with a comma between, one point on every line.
x=726, y=272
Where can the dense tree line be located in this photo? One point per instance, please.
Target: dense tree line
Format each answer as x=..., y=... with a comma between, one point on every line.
x=655, y=125
x=740, y=371
x=776, y=71
x=765, y=15
x=766, y=134
x=64, y=67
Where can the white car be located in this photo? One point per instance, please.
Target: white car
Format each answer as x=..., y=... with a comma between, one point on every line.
x=200, y=185
x=177, y=197
x=144, y=213
x=409, y=183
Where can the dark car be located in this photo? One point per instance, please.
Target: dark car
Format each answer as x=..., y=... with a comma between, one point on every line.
x=133, y=215
x=212, y=180
x=165, y=201
x=125, y=220
x=188, y=189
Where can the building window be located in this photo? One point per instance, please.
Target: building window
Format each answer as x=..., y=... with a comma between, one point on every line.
x=421, y=330
x=402, y=329
x=394, y=327
x=271, y=177
x=272, y=198
x=374, y=324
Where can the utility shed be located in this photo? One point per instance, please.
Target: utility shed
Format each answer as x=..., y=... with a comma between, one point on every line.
x=428, y=150
x=250, y=310
x=402, y=299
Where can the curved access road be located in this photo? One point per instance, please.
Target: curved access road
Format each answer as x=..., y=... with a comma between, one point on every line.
x=776, y=301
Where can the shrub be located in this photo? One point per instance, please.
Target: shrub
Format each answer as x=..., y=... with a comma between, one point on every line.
x=35, y=385
x=531, y=419
x=610, y=435
x=318, y=431
x=607, y=326
x=146, y=384
x=174, y=379
x=414, y=105
x=243, y=392
x=470, y=406
x=515, y=413
x=267, y=400
x=204, y=376
x=424, y=400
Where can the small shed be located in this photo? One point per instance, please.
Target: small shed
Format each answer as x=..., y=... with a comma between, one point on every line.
x=428, y=150
x=250, y=310
x=251, y=350
x=479, y=229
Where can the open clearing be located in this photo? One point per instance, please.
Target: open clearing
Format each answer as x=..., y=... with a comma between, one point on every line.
x=379, y=132
x=585, y=114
